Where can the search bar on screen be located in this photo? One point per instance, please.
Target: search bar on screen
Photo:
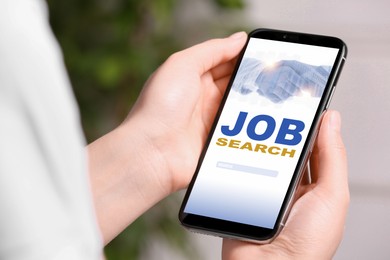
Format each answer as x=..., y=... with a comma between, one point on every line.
x=248, y=169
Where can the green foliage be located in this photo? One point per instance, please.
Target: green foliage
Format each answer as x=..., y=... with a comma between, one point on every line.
x=110, y=49
x=232, y=4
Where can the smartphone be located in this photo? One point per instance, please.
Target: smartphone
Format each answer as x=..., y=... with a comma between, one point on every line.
x=263, y=135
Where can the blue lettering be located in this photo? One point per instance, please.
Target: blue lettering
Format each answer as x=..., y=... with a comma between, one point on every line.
x=237, y=128
x=292, y=128
x=251, y=130
x=289, y=131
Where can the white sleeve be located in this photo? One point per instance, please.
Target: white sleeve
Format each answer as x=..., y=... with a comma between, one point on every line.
x=46, y=209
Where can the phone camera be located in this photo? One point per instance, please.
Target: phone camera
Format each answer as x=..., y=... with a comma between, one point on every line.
x=284, y=36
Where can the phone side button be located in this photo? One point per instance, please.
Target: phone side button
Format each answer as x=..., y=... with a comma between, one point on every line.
x=330, y=97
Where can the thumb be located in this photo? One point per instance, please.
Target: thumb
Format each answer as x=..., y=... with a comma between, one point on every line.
x=211, y=53
x=332, y=156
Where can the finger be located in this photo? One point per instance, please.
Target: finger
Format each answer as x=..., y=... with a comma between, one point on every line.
x=224, y=69
x=222, y=84
x=211, y=53
x=331, y=156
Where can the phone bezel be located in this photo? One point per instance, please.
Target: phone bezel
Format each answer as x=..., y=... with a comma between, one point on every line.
x=254, y=233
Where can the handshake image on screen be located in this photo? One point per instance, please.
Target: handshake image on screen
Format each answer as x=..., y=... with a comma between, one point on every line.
x=280, y=80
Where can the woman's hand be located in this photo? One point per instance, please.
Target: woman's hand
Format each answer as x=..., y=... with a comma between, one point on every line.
x=315, y=226
x=155, y=151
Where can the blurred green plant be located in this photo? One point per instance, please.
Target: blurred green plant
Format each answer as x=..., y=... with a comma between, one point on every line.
x=110, y=49
x=232, y=4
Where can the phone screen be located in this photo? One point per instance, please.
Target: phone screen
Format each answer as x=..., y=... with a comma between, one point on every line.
x=258, y=139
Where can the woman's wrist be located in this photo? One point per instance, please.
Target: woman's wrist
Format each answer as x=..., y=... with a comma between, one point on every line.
x=127, y=177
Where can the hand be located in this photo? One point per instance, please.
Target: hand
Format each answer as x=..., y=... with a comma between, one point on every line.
x=178, y=104
x=315, y=226
x=155, y=151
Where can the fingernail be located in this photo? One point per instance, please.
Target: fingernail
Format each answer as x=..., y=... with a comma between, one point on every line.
x=237, y=35
x=335, y=120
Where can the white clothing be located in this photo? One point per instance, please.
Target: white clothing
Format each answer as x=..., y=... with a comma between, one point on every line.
x=46, y=209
